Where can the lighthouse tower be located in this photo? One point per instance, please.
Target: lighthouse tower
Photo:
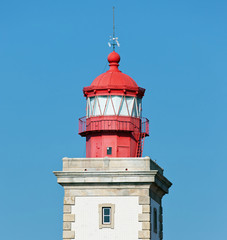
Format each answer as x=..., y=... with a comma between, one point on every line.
x=114, y=193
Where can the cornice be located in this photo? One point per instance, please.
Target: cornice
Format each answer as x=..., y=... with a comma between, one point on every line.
x=152, y=177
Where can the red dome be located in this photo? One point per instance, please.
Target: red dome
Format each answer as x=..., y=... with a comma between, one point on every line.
x=113, y=79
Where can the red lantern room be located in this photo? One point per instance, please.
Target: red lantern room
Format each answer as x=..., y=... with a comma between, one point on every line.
x=113, y=125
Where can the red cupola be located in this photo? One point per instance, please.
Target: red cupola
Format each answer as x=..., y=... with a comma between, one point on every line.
x=113, y=125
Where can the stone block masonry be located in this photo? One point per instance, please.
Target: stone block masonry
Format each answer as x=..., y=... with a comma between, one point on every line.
x=106, y=181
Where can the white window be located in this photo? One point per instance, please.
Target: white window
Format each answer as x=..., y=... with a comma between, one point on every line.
x=106, y=215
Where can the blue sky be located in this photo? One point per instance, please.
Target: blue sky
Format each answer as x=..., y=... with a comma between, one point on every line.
x=50, y=50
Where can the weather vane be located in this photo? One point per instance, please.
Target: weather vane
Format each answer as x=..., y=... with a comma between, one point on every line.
x=113, y=40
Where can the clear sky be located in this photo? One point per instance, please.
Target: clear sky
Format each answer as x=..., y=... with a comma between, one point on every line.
x=51, y=49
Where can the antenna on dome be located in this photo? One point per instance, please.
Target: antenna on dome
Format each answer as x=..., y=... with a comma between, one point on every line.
x=113, y=40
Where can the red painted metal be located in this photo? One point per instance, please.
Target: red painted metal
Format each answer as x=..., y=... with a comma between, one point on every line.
x=114, y=136
x=140, y=144
x=113, y=123
x=113, y=82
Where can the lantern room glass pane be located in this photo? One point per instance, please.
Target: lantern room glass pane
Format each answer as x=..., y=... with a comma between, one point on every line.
x=96, y=109
x=134, y=110
x=92, y=101
x=116, y=102
x=123, y=109
x=88, y=108
x=130, y=101
x=109, y=107
x=139, y=105
x=102, y=103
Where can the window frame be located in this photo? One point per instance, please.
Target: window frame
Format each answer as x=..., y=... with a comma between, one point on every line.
x=101, y=215
x=106, y=215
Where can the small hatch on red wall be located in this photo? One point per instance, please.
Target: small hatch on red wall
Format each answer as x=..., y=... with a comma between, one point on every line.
x=109, y=150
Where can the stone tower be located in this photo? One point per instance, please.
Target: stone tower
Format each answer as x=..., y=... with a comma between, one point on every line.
x=114, y=193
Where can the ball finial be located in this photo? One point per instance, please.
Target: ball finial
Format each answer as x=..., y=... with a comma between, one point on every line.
x=114, y=57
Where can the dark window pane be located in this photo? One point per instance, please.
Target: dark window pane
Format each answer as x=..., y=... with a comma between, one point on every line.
x=155, y=220
x=106, y=219
x=109, y=150
x=106, y=211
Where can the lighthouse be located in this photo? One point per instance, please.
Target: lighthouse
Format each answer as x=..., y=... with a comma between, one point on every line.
x=114, y=193
x=113, y=125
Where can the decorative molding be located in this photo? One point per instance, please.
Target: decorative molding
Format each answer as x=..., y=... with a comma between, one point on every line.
x=122, y=190
x=157, y=181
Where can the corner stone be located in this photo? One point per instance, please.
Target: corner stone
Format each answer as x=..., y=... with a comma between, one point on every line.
x=66, y=225
x=146, y=225
x=146, y=208
x=67, y=209
x=69, y=201
x=144, y=234
x=69, y=217
x=144, y=200
x=144, y=217
x=68, y=234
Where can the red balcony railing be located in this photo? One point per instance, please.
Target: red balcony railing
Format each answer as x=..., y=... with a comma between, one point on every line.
x=145, y=126
x=99, y=124
x=82, y=125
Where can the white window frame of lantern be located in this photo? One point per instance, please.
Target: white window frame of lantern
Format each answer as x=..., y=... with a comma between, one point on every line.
x=109, y=224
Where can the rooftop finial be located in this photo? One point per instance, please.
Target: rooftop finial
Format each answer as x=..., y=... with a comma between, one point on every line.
x=113, y=40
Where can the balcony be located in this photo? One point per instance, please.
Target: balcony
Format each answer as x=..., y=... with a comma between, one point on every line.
x=113, y=123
